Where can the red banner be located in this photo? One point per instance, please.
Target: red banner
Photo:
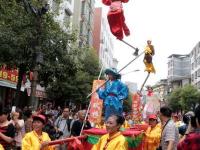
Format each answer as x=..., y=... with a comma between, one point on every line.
x=136, y=105
x=96, y=104
x=9, y=75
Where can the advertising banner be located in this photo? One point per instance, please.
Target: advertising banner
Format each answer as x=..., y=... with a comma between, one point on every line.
x=96, y=107
x=9, y=75
x=136, y=107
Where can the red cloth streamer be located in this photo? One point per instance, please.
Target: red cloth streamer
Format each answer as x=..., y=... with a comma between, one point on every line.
x=62, y=141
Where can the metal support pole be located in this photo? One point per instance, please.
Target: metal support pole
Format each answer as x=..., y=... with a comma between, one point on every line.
x=86, y=115
x=135, y=48
x=144, y=82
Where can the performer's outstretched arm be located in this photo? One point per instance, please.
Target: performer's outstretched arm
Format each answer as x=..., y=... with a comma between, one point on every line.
x=123, y=93
x=102, y=93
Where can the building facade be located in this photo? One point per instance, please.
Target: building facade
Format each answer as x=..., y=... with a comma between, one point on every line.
x=82, y=21
x=63, y=13
x=195, y=65
x=103, y=42
x=179, y=69
x=161, y=88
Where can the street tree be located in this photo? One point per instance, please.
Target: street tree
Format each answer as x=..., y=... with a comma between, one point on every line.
x=184, y=99
x=67, y=71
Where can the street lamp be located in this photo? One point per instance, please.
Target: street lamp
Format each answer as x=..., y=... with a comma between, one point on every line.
x=38, y=55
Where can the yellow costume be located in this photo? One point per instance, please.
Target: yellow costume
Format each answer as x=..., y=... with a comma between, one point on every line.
x=149, y=52
x=99, y=126
x=32, y=141
x=152, y=139
x=116, y=142
x=125, y=125
x=1, y=147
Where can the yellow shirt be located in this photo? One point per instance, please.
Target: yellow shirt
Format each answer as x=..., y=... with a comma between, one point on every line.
x=125, y=125
x=117, y=142
x=1, y=147
x=32, y=141
x=152, y=139
x=99, y=126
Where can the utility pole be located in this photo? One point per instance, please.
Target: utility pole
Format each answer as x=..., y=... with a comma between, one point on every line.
x=38, y=55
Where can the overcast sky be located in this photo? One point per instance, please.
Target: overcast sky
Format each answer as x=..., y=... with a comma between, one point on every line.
x=172, y=25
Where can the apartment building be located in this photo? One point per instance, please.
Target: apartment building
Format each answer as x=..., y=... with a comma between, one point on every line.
x=195, y=65
x=179, y=69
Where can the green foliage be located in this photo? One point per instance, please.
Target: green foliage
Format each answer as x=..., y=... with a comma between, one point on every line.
x=16, y=33
x=67, y=71
x=185, y=98
x=174, y=99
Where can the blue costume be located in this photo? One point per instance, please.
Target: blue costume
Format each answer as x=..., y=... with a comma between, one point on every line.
x=113, y=95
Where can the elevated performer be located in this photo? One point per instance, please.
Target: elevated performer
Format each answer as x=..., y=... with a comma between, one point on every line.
x=149, y=52
x=113, y=93
x=116, y=18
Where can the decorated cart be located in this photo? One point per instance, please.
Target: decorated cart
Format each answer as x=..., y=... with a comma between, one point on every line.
x=90, y=137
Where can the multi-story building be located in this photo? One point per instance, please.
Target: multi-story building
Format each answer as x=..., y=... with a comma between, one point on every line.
x=83, y=21
x=63, y=12
x=178, y=70
x=161, y=88
x=195, y=65
x=103, y=40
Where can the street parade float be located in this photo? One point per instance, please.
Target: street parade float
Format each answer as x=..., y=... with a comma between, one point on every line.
x=108, y=95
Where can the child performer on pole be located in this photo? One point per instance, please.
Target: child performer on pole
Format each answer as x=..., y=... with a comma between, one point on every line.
x=149, y=52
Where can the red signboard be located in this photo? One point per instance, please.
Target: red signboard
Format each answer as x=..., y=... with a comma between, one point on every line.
x=9, y=75
x=96, y=104
x=136, y=107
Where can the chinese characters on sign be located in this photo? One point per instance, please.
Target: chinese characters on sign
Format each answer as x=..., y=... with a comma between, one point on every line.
x=96, y=104
x=9, y=75
x=136, y=105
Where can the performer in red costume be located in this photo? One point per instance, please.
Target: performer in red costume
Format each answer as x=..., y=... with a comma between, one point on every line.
x=116, y=18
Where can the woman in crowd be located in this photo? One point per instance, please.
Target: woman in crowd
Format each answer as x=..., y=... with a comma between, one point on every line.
x=18, y=122
x=28, y=121
x=7, y=130
x=36, y=139
x=114, y=140
x=153, y=133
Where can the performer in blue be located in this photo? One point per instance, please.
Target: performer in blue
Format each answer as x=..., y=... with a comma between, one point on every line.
x=113, y=94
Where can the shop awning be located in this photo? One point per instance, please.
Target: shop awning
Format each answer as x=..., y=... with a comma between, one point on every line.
x=10, y=85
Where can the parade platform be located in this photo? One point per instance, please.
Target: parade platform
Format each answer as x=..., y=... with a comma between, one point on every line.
x=134, y=136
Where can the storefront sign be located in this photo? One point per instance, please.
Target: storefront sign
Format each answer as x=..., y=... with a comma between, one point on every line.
x=9, y=75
